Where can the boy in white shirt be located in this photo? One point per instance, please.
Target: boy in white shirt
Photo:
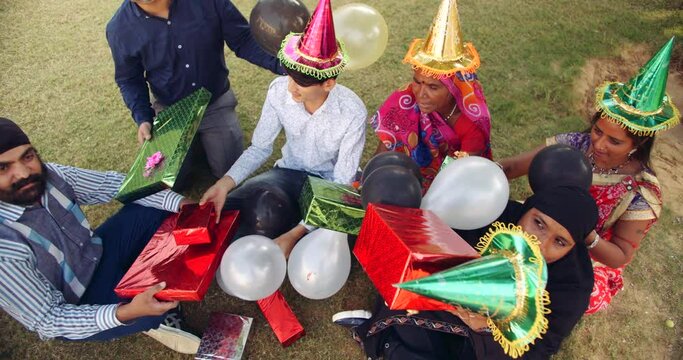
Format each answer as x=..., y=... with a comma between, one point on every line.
x=324, y=125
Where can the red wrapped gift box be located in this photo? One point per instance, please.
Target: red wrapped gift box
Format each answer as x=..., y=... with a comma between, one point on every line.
x=281, y=318
x=399, y=244
x=187, y=269
x=193, y=224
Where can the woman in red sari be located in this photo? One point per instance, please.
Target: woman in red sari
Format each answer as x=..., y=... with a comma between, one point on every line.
x=624, y=186
x=443, y=111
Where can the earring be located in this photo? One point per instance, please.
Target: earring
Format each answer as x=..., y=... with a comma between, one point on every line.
x=630, y=153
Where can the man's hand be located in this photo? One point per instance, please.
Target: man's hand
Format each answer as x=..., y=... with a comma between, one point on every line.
x=144, y=304
x=217, y=194
x=144, y=132
x=185, y=201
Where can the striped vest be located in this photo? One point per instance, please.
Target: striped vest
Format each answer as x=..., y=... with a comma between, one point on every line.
x=66, y=250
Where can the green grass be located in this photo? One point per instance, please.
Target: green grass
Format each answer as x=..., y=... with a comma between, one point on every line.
x=56, y=78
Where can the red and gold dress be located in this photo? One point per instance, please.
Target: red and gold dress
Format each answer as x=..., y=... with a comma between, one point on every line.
x=619, y=198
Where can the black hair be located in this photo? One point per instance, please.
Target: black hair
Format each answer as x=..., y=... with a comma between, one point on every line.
x=643, y=144
x=305, y=80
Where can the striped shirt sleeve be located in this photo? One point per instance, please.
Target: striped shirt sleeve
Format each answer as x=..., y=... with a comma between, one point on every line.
x=97, y=187
x=29, y=298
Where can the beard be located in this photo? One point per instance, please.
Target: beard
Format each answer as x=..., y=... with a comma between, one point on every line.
x=16, y=196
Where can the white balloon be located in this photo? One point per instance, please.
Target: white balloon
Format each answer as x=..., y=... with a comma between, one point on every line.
x=469, y=193
x=364, y=33
x=319, y=264
x=253, y=267
x=221, y=283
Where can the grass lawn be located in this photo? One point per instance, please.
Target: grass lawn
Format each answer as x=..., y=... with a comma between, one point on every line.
x=56, y=78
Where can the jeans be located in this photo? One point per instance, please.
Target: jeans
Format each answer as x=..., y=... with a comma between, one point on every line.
x=124, y=235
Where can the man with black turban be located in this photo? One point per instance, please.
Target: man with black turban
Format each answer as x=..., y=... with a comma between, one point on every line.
x=57, y=276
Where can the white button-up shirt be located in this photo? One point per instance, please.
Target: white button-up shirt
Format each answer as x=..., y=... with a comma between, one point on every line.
x=328, y=142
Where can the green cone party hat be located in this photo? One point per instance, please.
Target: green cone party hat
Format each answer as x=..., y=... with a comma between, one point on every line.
x=507, y=285
x=642, y=105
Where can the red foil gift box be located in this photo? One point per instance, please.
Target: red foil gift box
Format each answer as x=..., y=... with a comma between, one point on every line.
x=187, y=269
x=281, y=318
x=193, y=224
x=399, y=244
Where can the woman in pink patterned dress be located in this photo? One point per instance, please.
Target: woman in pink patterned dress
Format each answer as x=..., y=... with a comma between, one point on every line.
x=443, y=110
x=624, y=186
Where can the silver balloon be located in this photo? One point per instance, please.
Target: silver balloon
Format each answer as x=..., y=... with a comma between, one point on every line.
x=469, y=193
x=252, y=268
x=319, y=264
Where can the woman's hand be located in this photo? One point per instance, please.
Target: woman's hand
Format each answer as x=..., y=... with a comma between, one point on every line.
x=475, y=321
x=287, y=240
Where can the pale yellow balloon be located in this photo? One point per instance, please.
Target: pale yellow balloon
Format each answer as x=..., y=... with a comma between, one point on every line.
x=364, y=32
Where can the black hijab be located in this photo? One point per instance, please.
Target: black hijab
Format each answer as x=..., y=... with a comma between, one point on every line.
x=570, y=279
x=570, y=282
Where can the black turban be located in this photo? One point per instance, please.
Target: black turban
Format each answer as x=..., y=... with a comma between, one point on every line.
x=11, y=135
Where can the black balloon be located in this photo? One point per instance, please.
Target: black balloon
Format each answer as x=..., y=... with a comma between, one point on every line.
x=272, y=20
x=391, y=158
x=392, y=185
x=560, y=165
x=268, y=211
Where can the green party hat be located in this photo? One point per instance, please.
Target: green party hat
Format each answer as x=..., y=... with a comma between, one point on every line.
x=507, y=285
x=642, y=105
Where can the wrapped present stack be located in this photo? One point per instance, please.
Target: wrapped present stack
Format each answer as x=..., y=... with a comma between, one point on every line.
x=159, y=160
x=332, y=206
x=193, y=225
x=187, y=269
x=400, y=244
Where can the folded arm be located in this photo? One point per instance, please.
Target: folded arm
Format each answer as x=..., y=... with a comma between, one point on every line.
x=98, y=187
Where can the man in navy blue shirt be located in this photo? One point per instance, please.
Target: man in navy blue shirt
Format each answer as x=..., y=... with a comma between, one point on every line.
x=176, y=47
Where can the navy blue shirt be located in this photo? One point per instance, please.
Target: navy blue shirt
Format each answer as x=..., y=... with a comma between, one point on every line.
x=178, y=55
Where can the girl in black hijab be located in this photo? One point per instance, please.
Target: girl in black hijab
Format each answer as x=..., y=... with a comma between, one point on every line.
x=560, y=218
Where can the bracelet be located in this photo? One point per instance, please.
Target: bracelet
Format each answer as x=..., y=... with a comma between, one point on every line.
x=484, y=330
x=594, y=243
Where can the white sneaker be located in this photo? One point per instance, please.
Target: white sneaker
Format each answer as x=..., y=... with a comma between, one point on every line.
x=351, y=318
x=176, y=339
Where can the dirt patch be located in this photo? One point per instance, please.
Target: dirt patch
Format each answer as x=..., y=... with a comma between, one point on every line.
x=666, y=157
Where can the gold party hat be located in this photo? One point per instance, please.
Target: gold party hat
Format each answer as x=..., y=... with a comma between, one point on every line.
x=443, y=53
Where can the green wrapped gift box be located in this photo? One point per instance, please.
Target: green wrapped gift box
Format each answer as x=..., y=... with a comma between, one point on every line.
x=331, y=206
x=159, y=160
